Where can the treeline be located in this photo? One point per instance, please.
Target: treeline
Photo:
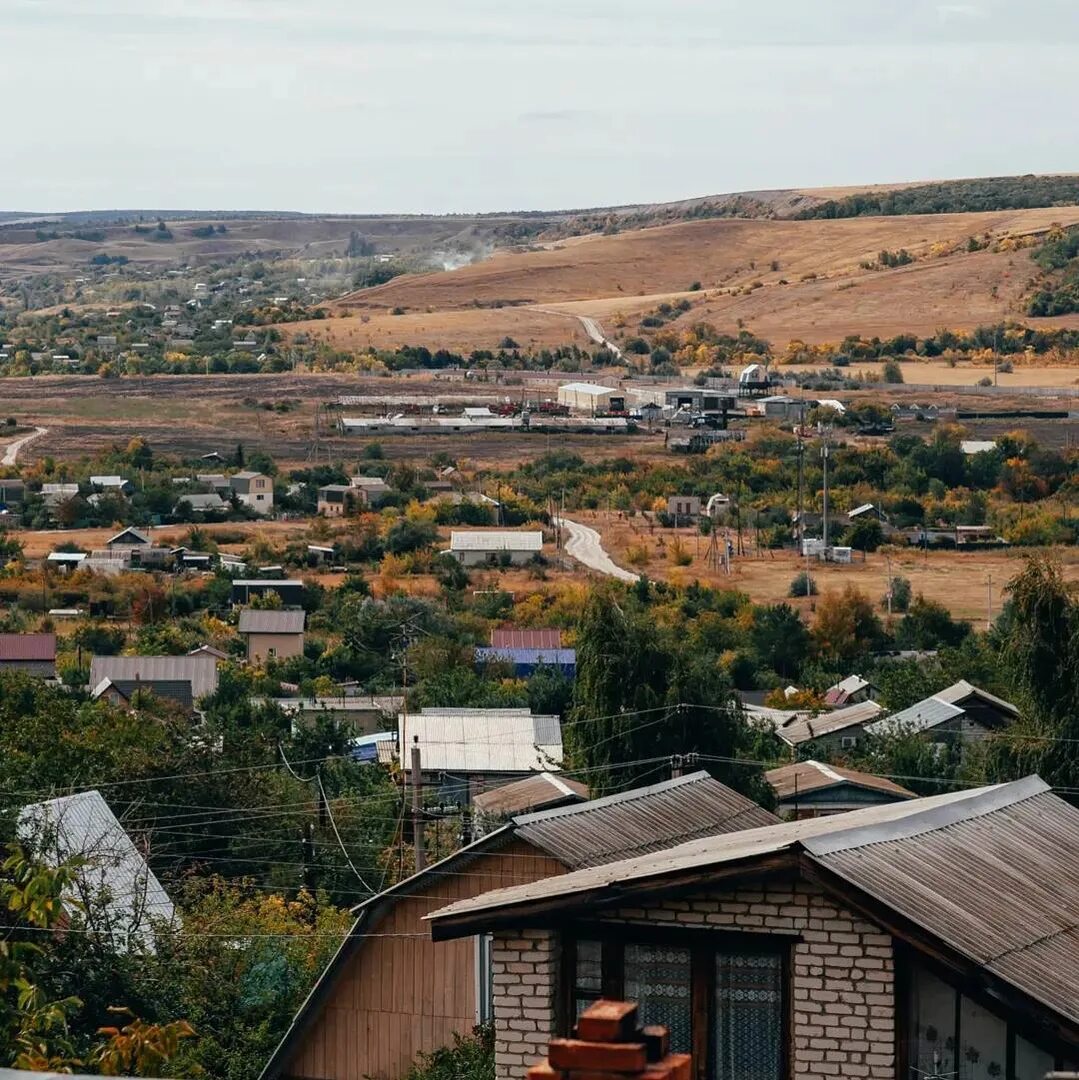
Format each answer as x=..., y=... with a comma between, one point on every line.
x=954, y=197
x=1058, y=291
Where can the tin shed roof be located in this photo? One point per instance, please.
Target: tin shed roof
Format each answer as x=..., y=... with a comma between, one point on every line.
x=27, y=647
x=806, y=776
x=526, y=639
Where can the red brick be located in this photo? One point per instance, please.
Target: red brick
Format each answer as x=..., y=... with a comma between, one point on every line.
x=608, y=1021
x=657, y=1041
x=578, y=1055
x=543, y=1071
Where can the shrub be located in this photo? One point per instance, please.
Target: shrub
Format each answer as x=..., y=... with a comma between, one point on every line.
x=803, y=585
x=892, y=372
x=901, y=594
x=680, y=555
x=470, y=1058
x=695, y=286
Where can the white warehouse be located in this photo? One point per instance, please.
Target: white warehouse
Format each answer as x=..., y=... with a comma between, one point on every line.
x=476, y=548
x=591, y=398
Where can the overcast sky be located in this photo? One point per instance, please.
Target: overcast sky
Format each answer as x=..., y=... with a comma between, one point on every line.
x=446, y=105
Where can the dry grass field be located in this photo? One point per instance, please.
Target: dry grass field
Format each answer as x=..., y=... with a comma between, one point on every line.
x=959, y=580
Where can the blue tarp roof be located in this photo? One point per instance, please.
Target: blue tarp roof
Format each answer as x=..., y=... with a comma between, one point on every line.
x=551, y=657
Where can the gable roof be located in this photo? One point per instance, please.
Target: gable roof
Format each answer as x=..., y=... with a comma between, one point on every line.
x=176, y=690
x=603, y=815
x=526, y=639
x=803, y=777
x=988, y=875
x=27, y=647
x=481, y=740
x=962, y=691
x=269, y=621
x=846, y=688
x=533, y=793
x=921, y=716
x=127, y=536
x=496, y=540
x=199, y=669
x=83, y=824
x=803, y=729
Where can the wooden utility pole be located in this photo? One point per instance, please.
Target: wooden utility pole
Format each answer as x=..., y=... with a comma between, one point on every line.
x=417, y=821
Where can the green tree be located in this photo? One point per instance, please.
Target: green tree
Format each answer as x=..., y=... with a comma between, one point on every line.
x=781, y=639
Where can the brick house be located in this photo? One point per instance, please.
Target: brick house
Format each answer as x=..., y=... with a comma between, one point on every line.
x=390, y=992
x=929, y=938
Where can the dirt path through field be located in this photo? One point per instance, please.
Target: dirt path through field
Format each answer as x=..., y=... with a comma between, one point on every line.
x=11, y=454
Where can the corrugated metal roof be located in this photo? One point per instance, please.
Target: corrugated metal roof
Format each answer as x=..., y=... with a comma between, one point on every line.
x=921, y=716
x=27, y=647
x=269, y=621
x=806, y=776
x=526, y=639
x=115, y=872
x=496, y=540
x=587, y=388
x=958, y=692
x=481, y=741
x=806, y=728
x=551, y=657
x=177, y=690
x=532, y=793
x=642, y=820
x=199, y=669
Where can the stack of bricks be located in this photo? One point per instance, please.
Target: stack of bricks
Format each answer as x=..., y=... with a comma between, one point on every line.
x=608, y=1045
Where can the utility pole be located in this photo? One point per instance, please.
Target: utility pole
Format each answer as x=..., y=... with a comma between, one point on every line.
x=417, y=822
x=888, y=563
x=824, y=514
x=989, y=603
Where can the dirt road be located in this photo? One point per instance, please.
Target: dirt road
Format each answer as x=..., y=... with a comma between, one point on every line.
x=584, y=545
x=11, y=454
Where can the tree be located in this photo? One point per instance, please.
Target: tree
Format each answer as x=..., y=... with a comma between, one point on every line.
x=846, y=626
x=781, y=639
x=892, y=372
x=866, y=534
x=929, y=625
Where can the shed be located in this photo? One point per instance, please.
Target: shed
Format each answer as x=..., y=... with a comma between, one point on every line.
x=474, y=548
x=591, y=398
x=200, y=670
x=32, y=654
x=290, y=590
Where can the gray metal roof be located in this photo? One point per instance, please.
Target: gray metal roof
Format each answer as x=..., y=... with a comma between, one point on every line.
x=804, y=729
x=922, y=716
x=199, y=669
x=115, y=874
x=269, y=621
x=496, y=540
x=481, y=740
x=960, y=691
x=642, y=820
x=802, y=777
x=532, y=793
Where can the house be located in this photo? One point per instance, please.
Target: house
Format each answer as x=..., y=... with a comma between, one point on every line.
x=977, y=446
x=696, y=399
x=813, y=789
x=116, y=484
x=12, y=492
x=364, y=714
x=838, y=730
x=290, y=591
x=544, y=791
x=116, y=891
x=210, y=503
x=527, y=650
x=372, y=490
x=867, y=511
x=199, y=671
x=591, y=398
x=852, y=690
x=961, y=711
x=337, y=500
x=68, y=560
x=508, y=638
x=56, y=494
x=134, y=692
x=384, y=999
x=466, y=751
x=32, y=654
x=272, y=634
x=127, y=538
x=683, y=506
x=254, y=490
x=476, y=548
x=218, y=481
x=931, y=937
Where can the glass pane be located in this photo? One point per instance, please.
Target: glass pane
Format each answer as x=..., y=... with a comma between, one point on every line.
x=657, y=977
x=1031, y=1062
x=984, y=1037
x=749, y=1017
x=588, y=979
x=932, y=1036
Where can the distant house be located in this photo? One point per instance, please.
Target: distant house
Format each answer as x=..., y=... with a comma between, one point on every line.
x=254, y=490
x=812, y=789
x=112, y=483
x=195, y=503
x=114, y=676
x=961, y=711
x=32, y=654
x=135, y=692
x=56, y=494
x=126, y=538
x=684, y=506
x=218, y=481
x=338, y=500
x=12, y=492
x=117, y=892
x=546, y=791
x=866, y=511
x=272, y=634
x=838, y=730
x=67, y=560
x=363, y=714
x=504, y=638
x=476, y=548
x=372, y=490
x=977, y=446
x=390, y=993
x=850, y=691
x=290, y=591
x=933, y=937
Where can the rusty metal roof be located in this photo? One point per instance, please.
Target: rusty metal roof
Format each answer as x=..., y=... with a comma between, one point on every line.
x=643, y=820
x=805, y=776
x=27, y=647
x=526, y=639
x=533, y=793
x=271, y=621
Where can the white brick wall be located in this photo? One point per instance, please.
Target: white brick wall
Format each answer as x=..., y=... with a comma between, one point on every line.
x=842, y=975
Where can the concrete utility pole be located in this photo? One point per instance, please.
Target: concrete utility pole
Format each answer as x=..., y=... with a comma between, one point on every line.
x=417, y=822
x=824, y=514
x=989, y=603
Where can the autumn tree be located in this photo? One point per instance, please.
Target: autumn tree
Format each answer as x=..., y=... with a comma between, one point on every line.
x=846, y=626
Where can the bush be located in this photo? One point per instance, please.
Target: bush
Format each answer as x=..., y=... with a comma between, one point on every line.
x=892, y=372
x=470, y=1058
x=901, y=594
x=803, y=585
x=695, y=286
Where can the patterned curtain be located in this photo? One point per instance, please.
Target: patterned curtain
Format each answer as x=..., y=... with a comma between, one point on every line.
x=749, y=1017
x=657, y=977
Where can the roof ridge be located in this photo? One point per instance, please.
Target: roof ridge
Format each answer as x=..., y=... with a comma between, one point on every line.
x=611, y=800
x=969, y=805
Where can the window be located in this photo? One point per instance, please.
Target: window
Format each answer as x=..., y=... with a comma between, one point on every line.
x=485, y=980
x=722, y=995
x=951, y=1035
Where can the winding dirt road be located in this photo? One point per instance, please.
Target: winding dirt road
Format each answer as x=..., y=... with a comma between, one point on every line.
x=11, y=454
x=584, y=545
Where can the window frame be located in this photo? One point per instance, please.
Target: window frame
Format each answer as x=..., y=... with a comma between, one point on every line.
x=703, y=943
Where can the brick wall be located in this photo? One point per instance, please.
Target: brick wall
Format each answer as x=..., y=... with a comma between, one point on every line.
x=525, y=964
x=843, y=1014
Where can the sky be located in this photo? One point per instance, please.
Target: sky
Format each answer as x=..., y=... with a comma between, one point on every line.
x=438, y=106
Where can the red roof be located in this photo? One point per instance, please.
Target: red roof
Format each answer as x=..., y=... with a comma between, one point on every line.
x=526, y=639
x=27, y=647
